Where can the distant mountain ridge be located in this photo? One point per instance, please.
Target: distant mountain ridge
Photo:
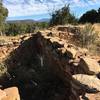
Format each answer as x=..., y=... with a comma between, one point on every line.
x=28, y=20
x=44, y=20
x=24, y=21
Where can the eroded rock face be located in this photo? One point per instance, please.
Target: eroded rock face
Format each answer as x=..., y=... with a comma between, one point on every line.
x=34, y=67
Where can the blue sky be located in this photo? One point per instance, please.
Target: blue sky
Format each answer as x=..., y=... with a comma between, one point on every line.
x=38, y=9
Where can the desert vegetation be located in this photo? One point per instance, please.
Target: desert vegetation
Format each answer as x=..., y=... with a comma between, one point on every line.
x=89, y=38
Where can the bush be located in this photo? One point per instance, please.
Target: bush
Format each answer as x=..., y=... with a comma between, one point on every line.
x=3, y=69
x=87, y=36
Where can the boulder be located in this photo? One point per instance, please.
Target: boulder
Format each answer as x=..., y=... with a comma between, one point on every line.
x=11, y=94
x=49, y=34
x=89, y=66
x=57, y=45
x=89, y=83
x=95, y=96
x=92, y=96
x=71, y=52
x=2, y=94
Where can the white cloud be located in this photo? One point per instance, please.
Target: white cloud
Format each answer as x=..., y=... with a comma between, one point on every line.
x=25, y=9
x=34, y=7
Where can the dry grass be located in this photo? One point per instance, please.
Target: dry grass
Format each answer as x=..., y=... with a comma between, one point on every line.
x=96, y=26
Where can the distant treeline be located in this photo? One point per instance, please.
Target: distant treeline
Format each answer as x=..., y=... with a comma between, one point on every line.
x=22, y=27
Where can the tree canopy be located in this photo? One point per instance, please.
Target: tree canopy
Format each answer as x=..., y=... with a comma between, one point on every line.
x=62, y=16
x=91, y=16
x=3, y=15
